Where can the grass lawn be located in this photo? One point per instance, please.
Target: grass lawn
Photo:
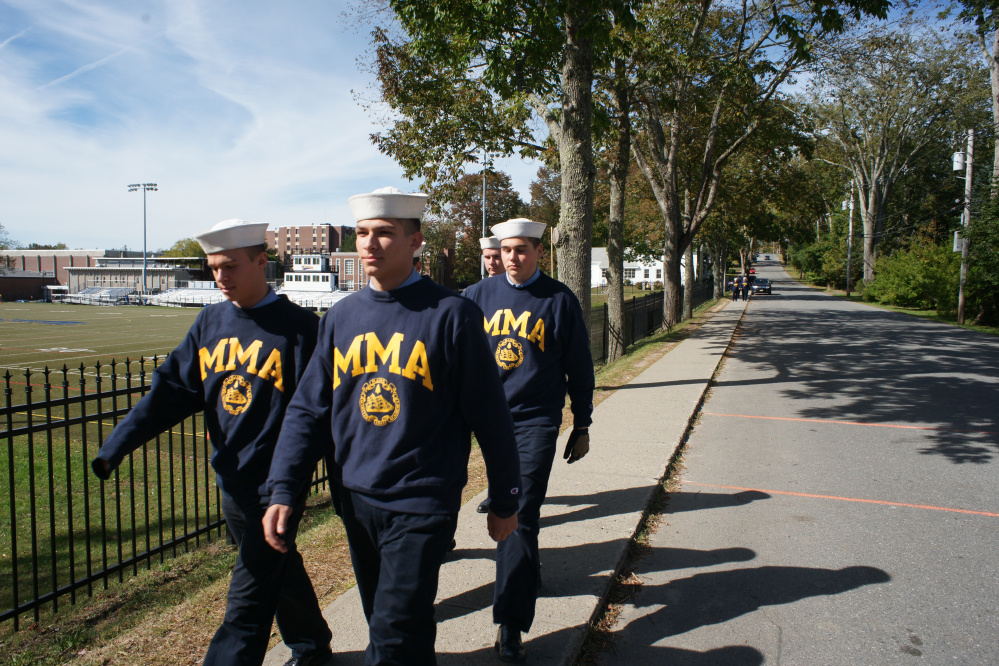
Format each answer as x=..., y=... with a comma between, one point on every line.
x=598, y=297
x=168, y=614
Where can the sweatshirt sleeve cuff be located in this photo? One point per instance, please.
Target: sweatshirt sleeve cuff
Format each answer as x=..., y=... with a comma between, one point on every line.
x=98, y=468
x=283, y=496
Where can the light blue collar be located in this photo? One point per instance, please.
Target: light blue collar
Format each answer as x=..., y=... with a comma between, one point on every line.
x=529, y=282
x=413, y=278
x=266, y=300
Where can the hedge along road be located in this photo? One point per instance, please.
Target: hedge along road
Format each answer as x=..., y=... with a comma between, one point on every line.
x=840, y=497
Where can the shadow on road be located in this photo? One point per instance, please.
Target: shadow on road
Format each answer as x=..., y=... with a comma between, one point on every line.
x=876, y=366
x=714, y=597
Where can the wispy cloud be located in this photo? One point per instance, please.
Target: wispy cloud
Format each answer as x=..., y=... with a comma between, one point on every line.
x=236, y=109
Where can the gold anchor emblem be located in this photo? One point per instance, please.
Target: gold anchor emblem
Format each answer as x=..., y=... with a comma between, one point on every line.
x=379, y=402
x=236, y=394
x=509, y=354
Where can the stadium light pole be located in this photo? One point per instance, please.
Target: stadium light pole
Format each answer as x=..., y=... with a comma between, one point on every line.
x=485, y=167
x=145, y=187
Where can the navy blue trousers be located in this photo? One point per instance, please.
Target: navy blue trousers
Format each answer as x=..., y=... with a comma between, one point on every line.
x=518, y=564
x=264, y=583
x=397, y=559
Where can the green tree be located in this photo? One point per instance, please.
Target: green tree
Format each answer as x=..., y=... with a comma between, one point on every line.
x=44, y=246
x=349, y=243
x=983, y=263
x=709, y=78
x=883, y=105
x=470, y=76
x=185, y=247
x=460, y=220
x=982, y=14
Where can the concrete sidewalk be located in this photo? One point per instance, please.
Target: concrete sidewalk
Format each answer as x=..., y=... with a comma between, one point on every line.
x=591, y=513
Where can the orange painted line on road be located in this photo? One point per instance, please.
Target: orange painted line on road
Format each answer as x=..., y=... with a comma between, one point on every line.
x=846, y=499
x=855, y=423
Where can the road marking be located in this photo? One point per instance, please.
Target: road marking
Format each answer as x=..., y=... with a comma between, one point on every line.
x=855, y=423
x=845, y=499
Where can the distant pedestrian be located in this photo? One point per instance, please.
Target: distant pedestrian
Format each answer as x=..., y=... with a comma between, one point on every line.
x=240, y=363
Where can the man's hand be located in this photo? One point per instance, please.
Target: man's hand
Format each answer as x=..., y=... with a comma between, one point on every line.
x=500, y=528
x=275, y=524
x=578, y=445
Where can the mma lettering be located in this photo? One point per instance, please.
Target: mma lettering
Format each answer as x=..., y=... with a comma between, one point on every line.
x=216, y=361
x=377, y=356
x=504, y=322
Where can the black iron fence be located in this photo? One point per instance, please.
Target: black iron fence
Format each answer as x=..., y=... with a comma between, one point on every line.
x=643, y=316
x=66, y=532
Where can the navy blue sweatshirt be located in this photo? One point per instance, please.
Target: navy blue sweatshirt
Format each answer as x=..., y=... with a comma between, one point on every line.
x=401, y=378
x=241, y=367
x=541, y=346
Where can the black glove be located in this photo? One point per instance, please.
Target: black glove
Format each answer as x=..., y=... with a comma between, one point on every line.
x=578, y=445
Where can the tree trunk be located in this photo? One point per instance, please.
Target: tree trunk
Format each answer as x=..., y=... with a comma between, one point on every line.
x=718, y=260
x=619, y=164
x=576, y=157
x=688, y=282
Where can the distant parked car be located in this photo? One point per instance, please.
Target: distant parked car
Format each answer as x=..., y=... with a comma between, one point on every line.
x=762, y=285
x=752, y=271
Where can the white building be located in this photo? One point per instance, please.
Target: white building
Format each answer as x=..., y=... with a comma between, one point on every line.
x=645, y=274
x=310, y=272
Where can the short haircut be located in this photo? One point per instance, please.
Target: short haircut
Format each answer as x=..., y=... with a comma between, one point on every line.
x=535, y=242
x=254, y=250
x=410, y=224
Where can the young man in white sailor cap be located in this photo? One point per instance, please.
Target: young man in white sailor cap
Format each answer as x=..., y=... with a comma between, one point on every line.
x=542, y=348
x=240, y=363
x=491, y=255
x=401, y=375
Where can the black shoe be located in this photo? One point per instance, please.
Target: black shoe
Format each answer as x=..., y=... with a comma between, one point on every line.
x=509, y=646
x=483, y=506
x=454, y=544
x=311, y=659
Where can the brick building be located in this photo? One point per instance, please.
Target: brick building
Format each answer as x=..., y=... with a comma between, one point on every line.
x=54, y=263
x=315, y=239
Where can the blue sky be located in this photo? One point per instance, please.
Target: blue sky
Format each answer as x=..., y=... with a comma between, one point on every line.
x=236, y=109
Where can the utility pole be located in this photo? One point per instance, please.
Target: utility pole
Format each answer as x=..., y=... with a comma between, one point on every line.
x=849, y=241
x=967, y=220
x=145, y=187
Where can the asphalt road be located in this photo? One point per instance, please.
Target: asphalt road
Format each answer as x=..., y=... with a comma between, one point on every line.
x=839, y=502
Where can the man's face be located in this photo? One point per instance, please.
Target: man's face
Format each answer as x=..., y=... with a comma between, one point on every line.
x=240, y=274
x=494, y=261
x=386, y=248
x=520, y=258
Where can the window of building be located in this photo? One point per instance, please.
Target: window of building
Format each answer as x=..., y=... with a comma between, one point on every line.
x=348, y=265
x=629, y=273
x=648, y=273
x=659, y=274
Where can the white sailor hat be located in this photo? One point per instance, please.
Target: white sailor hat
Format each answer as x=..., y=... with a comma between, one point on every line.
x=387, y=203
x=519, y=227
x=489, y=243
x=232, y=234
x=419, y=250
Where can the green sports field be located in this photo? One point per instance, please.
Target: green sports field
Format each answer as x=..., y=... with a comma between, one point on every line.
x=35, y=335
